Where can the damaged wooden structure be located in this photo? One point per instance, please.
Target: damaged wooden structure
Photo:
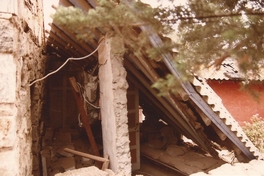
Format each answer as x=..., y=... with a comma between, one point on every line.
x=195, y=111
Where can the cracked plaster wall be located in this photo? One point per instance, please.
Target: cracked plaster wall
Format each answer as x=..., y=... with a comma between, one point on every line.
x=113, y=101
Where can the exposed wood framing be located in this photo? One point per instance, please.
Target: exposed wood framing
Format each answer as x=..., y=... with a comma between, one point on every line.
x=67, y=41
x=69, y=36
x=59, y=47
x=177, y=115
x=54, y=50
x=204, y=105
x=221, y=135
x=167, y=115
x=174, y=113
x=141, y=67
x=81, y=4
x=65, y=45
x=66, y=3
x=105, y=160
x=205, y=119
x=84, y=116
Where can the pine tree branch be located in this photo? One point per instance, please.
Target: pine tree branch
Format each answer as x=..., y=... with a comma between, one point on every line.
x=213, y=16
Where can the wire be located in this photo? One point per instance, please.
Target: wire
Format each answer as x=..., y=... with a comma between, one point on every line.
x=79, y=120
x=79, y=86
x=71, y=58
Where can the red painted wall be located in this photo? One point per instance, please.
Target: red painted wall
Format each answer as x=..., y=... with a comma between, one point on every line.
x=239, y=103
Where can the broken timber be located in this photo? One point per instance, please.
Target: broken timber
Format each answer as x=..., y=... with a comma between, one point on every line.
x=105, y=160
x=84, y=117
x=223, y=123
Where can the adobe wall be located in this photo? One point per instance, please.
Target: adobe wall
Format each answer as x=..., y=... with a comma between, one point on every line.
x=240, y=104
x=21, y=61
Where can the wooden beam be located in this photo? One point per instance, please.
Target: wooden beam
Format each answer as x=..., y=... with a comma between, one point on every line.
x=155, y=101
x=66, y=46
x=105, y=160
x=65, y=3
x=165, y=103
x=55, y=44
x=106, y=163
x=221, y=135
x=55, y=50
x=144, y=66
x=72, y=37
x=81, y=4
x=182, y=94
x=177, y=115
x=84, y=116
x=113, y=103
x=61, y=34
x=44, y=166
x=206, y=120
x=71, y=44
x=86, y=155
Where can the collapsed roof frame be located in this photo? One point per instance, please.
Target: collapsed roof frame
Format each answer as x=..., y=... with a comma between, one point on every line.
x=218, y=115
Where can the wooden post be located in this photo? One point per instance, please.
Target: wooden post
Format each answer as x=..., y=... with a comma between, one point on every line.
x=84, y=116
x=113, y=103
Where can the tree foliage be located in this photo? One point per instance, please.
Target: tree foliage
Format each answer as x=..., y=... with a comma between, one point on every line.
x=209, y=31
x=255, y=131
x=112, y=18
x=212, y=30
x=115, y=18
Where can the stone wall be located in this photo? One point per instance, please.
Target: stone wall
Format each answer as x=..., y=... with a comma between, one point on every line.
x=21, y=61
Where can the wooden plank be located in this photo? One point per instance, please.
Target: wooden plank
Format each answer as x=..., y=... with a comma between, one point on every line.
x=65, y=3
x=86, y=155
x=133, y=124
x=164, y=103
x=81, y=4
x=84, y=117
x=143, y=65
x=206, y=120
x=72, y=37
x=60, y=35
x=106, y=163
x=182, y=94
x=221, y=135
x=44, y=166
x=66, y=46
x=56, y=45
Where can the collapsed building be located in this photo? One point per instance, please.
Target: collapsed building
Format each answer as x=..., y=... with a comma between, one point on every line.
x=116, y=88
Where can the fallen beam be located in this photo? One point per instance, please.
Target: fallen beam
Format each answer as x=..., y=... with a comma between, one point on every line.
x=84, y=116
x=86, y=155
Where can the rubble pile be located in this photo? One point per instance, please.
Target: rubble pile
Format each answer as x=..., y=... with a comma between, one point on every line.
x=254, y=167
x=53, y=157
x=88, y=171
